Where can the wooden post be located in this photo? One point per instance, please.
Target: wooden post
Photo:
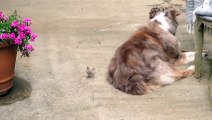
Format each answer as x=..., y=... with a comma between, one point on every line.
x=198, y=39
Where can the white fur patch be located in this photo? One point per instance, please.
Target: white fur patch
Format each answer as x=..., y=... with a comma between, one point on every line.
x=204, y=54
x=161, y=18
x=164, y=73
x=190, y=56
x=166, y=80
x=191, y=68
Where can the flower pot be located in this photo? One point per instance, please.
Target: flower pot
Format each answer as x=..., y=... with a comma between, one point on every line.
x=7, y=66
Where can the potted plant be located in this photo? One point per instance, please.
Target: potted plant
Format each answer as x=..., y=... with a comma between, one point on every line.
x=15, y=35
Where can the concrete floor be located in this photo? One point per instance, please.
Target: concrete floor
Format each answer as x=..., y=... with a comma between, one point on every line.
x=74, y=34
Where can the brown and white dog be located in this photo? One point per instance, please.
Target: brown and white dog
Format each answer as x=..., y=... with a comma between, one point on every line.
x=149, y=58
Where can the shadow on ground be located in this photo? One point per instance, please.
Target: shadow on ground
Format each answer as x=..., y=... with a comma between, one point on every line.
x=209, y=61
x=74, y=34
x=21, y=90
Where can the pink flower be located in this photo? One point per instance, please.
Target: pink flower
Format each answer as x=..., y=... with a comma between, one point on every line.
x=14, y=23
x=17, y=41
x=28, y=30
x=4, y=36
x=21, y=36
x=12, y=36
x=0, y=36
x=6, y=18
x=25, y=29
x=33, y=36
x=1, y=15
x=22, y=27
x=27, y=20
x=29, y=48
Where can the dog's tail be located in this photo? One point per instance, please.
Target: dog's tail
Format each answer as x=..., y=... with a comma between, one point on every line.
x=136, y=86
x=133, y=85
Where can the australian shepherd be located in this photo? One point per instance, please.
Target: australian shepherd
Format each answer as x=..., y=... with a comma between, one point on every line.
x=148, y=59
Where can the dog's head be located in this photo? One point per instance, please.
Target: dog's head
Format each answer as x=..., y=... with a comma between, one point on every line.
x=170, y=11
x=167, y=15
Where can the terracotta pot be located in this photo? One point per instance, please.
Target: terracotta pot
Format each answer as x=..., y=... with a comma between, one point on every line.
x=7, y=66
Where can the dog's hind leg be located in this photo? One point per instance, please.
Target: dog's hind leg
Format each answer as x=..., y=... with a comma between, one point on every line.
x=185, y=58
x=180, y=74
x=188, y=57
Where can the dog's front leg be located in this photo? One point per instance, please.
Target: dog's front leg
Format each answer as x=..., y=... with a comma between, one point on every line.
x=180, y=74
x=188, y=57
x=185, y=58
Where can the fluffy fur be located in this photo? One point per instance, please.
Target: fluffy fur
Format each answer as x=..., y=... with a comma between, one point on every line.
x=147, y=60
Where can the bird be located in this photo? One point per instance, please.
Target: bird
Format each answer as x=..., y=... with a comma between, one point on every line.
x=90, y=72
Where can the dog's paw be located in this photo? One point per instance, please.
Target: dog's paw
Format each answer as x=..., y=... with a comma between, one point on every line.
x=189, y=71
x=205, y=53
x=192, y=68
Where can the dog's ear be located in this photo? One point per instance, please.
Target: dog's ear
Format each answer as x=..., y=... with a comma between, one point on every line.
x=153, y=12
x=171, y=11
x=175, y=12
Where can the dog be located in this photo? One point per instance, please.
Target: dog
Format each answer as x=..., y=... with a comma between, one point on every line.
x=148, y=59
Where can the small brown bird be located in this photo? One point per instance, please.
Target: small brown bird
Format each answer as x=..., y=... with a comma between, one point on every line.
x=90, y=72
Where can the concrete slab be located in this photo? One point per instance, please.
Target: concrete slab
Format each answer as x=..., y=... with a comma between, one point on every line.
x=73, y=34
